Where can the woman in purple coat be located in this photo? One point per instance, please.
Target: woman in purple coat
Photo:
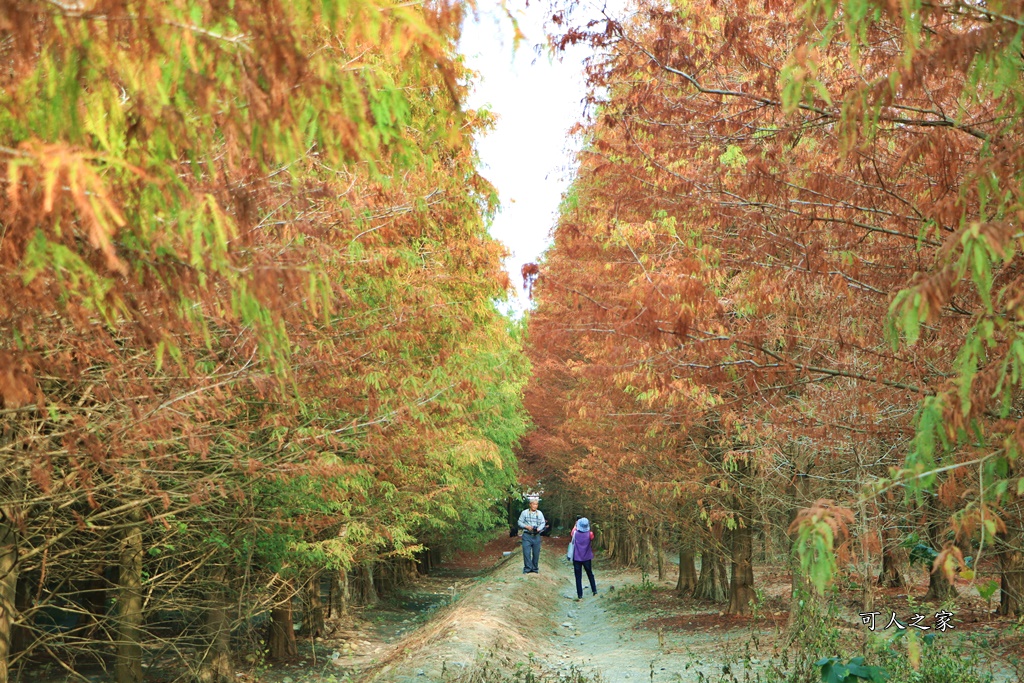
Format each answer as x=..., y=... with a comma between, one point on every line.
x=582, y=555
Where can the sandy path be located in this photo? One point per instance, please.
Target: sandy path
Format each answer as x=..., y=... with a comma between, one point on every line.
x=501, y=620
x=507, y=619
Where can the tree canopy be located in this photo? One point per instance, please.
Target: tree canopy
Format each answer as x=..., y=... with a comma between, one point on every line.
x=788, y=268
x=248, y=330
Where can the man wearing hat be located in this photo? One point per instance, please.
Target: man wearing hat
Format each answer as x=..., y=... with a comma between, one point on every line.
x=531, y=521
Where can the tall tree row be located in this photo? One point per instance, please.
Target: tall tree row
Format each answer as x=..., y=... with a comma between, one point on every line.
x=248, y=344
x=783, y=299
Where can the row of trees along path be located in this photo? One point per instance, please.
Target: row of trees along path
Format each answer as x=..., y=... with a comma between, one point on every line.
x=248, y=345
x=785, y=292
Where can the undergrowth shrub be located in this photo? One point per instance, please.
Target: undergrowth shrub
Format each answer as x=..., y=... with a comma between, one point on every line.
x=813, y=649
x=811, y=637
x=633, y=591
x=523, y=672
x=939, y=660
x=637, y=596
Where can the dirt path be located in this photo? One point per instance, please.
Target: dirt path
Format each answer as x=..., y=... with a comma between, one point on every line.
x=510, y=620
x=603, y=637
x=507, y=623
x=500, y=620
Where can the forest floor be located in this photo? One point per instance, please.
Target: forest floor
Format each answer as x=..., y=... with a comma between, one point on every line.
x=480, y=620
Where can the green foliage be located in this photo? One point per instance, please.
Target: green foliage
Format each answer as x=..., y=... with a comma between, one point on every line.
x=817, y=559
x=923, y=554
x=935, y=658
x=833, y=670
x=988, y=589
x=809, y=656
x=732, y=157
x=816, y=530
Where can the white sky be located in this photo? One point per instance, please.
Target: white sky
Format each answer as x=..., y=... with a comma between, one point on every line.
x=528, y=156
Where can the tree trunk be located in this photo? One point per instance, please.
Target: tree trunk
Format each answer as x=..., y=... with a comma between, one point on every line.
x=893, y=556
x=128, y=661
x=423, y=563
x=512, y=516
x=362, y=591
x=8, y=589
x=381, y=579
x=21, y=635
x=661, y=557
x=339, y=594
x=890, y=576
x=93, y=596
x=939, y=588
x=741, y=588
x=634, y=555
x=1011, y=567
x=395, y=574
x=216, y=665
x=867, y=601
x=713, y=582
x=314, y=625
x=1011, y=587
x=645, y=554
x=621, y=547
x=687, y=572
x=281, y=638
x=608, y=542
